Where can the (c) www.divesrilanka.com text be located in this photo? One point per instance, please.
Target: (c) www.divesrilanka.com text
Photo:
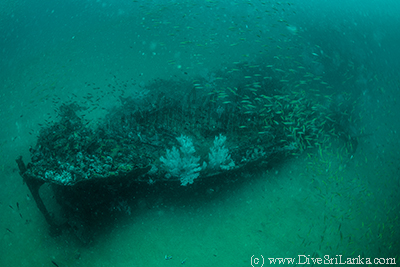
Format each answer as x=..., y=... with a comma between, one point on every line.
x=327, y=259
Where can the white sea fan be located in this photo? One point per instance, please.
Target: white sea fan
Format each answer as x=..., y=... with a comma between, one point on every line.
x=182, y=163
x=219, y=155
